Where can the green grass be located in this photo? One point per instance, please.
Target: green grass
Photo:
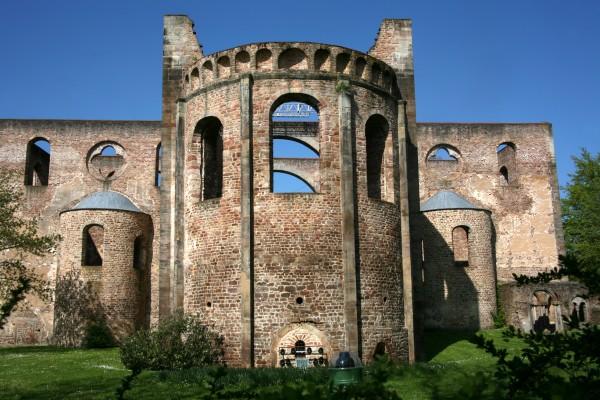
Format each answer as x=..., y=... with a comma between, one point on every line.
x=53, y=373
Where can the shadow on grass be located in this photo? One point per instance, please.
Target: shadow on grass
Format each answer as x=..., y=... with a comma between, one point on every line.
x=437, y=341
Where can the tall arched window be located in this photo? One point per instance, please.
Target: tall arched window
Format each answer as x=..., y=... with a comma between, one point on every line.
x=210, y=132
x=37, y=162
x=139, y=253
x=507, y=162
x=158, y=166
x=295, y=144
x=92, y=246
x=460, y=245
x=376, y=132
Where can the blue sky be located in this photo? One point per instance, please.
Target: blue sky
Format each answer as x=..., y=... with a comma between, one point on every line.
x=488, y=61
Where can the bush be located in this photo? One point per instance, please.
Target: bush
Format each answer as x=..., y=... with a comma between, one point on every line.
x=98, y=335
x=179, y=342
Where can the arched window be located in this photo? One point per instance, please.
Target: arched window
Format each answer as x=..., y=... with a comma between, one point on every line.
x=443, y=152
x=210, y=132
x=579, y=310
x=507, y=162
x=92, y=246
x=37, y=162
x=158, y=166
x=460, y=245
x=139, y=253
x=295, y=144
x=108, y=151
x=376, y=132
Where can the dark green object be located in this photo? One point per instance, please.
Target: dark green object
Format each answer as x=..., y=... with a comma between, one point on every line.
x=345, y=376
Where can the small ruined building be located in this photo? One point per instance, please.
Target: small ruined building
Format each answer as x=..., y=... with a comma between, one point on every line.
x=290, y=199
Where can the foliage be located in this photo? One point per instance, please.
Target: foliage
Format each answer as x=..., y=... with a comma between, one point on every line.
x=98, y=335
x=178, y=342
x=458, y=370
x=498, y=317
x=581, y=219
x=563, y=365
x=18, y=237
x=78, y=313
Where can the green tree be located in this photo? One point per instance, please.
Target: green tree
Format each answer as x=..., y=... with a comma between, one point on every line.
x=581, y=220
x=18, y=237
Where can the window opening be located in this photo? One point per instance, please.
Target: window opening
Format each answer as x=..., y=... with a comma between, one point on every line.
x=460, y=245
x=93, y=246
x=376, y=132
x=294, y=145
x=37, y=164
x=210, y=131
x=158, y=168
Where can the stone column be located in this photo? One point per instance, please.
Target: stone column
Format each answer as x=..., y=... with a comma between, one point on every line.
x=178, y=268
x=348, y=207
x=246, y=239
x=407, y=289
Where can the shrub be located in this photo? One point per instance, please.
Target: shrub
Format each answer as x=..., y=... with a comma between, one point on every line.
x=98, y=335
x=179, y=342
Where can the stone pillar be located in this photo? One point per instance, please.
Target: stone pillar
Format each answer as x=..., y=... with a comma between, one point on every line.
x=407, y=289
x=246, y=240
x=180, y=50
x=178, y=270
x=348, y=207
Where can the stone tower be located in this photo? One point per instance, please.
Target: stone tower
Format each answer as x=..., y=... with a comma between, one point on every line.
x=332, y=267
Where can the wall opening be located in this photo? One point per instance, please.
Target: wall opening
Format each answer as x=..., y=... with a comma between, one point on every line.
x=342, y=63
x=322, y=60
x=460, y=245
x=579, y=310
x=293, y=59
x=264, y=60
x=443, y=153
x=210, y=132
x=37, y=162
x=545, y=312
x=376, y=132
x=139, y=253
x=92, y=246
x=507, y=162
x=158, y=166
x=294, y=144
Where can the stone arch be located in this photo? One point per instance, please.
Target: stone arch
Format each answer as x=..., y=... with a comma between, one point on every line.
x=545, y=311
x=579, y=309
x=376, y=74
x=342, y=63
x=378, y=141
x=287, y=337
x=37, y=162
x=242, y=61
x=359, y=67
x=195, y=79
x=293, y=59
x=92, y=245
x=443, y=152
x=207, y=71
x=507, y=162
x=323, y=60
x=223, y=66
x=264, y=60
x=460, y=245
x=208, y=140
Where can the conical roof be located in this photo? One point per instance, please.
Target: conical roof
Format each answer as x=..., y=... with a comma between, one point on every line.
x=446, y=200
x=106, y=200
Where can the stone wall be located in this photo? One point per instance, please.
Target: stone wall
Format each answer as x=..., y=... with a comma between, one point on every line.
x=72, y=177
x=525, y=210
x=457, y=294
x=121, y=287
x=296, y=250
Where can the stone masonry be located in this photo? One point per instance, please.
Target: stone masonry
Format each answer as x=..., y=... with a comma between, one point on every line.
x=180, y=214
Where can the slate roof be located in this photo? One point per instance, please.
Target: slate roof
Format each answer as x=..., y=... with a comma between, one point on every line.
x=107, y=200
x=446, y=200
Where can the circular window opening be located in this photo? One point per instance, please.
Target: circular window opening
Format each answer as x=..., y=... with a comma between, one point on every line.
x=299, y=300
x=209, y=304
x=106, y=161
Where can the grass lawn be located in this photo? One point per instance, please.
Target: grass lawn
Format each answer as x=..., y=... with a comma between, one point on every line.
x=52, y=373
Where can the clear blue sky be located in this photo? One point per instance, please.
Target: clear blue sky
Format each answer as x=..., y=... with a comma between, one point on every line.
x=517, y=60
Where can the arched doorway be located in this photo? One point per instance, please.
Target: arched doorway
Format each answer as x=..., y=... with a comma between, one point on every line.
x=301, y=346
